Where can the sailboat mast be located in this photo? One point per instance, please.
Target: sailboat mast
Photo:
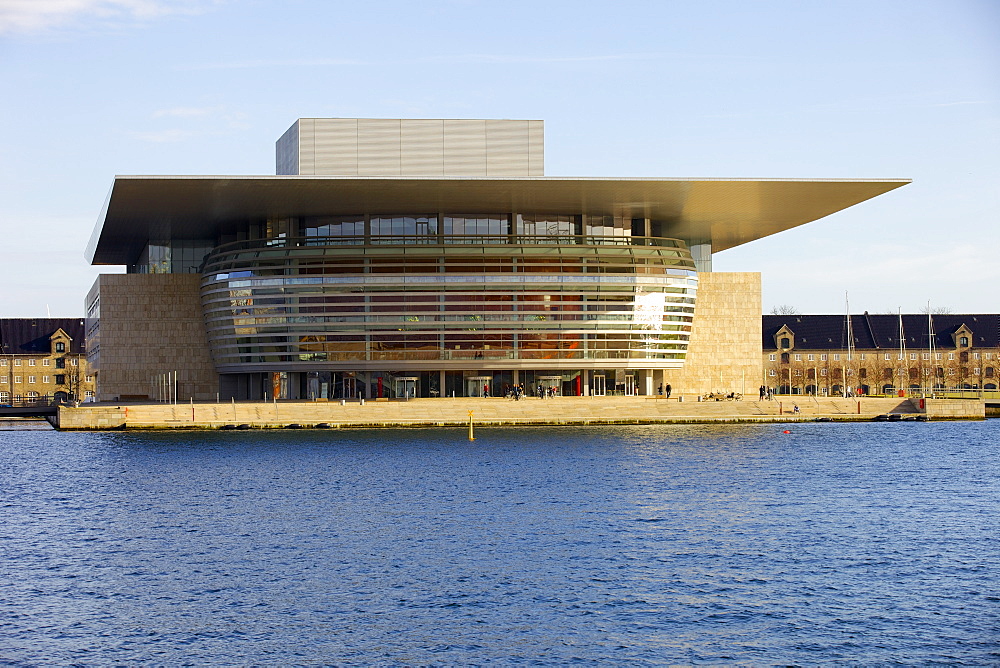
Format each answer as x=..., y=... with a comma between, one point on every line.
x=902, y=350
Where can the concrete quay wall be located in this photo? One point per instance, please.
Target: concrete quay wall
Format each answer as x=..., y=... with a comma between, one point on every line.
x=492, y=412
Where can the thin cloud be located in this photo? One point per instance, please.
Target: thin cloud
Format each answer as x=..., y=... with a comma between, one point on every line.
x=30, y=16
x=185, y=112
x=503, y=59
x=263, y=63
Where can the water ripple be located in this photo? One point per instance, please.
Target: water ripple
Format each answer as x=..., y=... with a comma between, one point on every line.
x=837, y=544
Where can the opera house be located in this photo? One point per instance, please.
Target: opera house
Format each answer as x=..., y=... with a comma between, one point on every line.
x=432, y=258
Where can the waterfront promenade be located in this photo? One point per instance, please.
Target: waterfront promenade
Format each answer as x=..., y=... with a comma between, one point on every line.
x=499, y=412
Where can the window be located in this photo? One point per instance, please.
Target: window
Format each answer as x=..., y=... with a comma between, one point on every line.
x=88, y=393
x=975, y=355
x=73, y=362
x=951, y=356
x=798, y=357
x=17, y=379
x=951, y=372
x=3, y=362
x=60, y=347
x=811, y=358
x=17, y=362
x=913, y=356
x=61, y=363
x=963, y=341
x=32, y=395
x=784, y=358
x=31, y=379
x=60, y=379
x=822, y=357
x=937, y=356
x=771, y=373
x=975, y=372
x=31, y=362
x=861, y=356
x=3, y=379
x=90, y=379
x=45, y=362
x=888, y=356
x=786, y=342
x=836, y=357
x=4, y=397
x=772, y=358
x=822, y=372
x=798, y=372
x=45, y=379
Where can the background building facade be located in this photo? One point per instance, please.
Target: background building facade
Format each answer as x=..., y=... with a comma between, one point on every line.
x=880, y=354
x=43, y=358
x=398, y=258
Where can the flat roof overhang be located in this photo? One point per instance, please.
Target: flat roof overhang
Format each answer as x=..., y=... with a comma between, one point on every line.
x=723, y=212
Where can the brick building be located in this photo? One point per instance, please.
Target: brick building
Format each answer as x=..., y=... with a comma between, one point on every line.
x=880, y=354
x=43, y=357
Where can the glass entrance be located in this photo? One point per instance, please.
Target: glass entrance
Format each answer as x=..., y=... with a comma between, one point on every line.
x=630, y=386
x=599, y=388
x=349, y=388
x=405, y=387
x=478, y=386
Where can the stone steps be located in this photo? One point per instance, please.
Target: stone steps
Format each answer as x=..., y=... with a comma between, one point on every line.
x=456, y=411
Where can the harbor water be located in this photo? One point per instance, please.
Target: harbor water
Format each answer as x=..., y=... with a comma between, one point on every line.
x=849, y=543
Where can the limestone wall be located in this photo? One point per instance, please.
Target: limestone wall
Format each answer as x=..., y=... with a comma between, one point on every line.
x=152, y=324
x=725, y=350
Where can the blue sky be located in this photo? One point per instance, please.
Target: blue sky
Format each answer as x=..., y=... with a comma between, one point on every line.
x=873, y=89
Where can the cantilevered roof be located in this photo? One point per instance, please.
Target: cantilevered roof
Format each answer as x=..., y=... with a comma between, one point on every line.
x=723, y=212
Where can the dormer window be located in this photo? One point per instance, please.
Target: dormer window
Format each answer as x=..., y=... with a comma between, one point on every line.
x=963, y=341
x=60, y=346
x=786, y=342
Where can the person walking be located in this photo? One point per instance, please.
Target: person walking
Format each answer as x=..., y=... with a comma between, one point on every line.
x=668, y=389
x=763, y=392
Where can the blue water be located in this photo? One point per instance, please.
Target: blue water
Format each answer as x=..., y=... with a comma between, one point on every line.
x=836, y=543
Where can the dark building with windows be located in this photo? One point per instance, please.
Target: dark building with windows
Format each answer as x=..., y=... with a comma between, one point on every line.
x=393, y=258
x=880, y=354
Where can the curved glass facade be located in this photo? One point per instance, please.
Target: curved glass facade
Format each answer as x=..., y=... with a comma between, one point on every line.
x=436, y=293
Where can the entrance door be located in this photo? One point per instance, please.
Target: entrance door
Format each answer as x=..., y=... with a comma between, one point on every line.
x=349, y=387
x=630, y=387
x=599, y=387
x=405, y=387
x=476, y=385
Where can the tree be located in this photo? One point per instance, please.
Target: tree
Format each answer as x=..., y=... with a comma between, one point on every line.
x=785, y=309
x=936, y=310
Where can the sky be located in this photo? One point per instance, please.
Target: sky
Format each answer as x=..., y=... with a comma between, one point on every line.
x=661, y=88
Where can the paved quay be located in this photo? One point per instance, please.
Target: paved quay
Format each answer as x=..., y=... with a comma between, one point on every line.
x=498, y=412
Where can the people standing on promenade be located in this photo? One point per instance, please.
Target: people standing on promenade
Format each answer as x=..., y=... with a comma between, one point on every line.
x=486, y=390
x=659, y=389
x=763, y=392
x=669, y=389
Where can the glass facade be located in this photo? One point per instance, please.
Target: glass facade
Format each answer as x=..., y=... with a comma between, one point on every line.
x=448, y=294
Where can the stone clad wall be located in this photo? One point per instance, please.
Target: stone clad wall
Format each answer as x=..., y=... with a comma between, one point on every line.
x=152, y=324
x=725, y=350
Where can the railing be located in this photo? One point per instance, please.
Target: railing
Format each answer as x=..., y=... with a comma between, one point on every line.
x=42, y=401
